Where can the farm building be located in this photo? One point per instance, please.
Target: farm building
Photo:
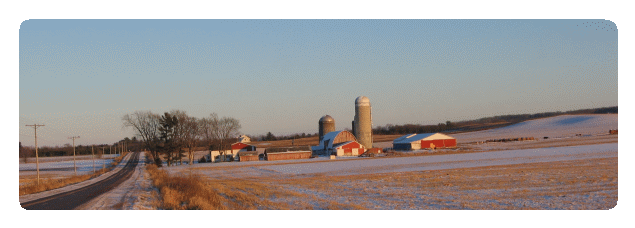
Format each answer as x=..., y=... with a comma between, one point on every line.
x=244, y=139
x=423, y=141
x=215, y=156
x=340, y=143
x=287, y=153
x=230, y=155
x=248, y=156
x=237, y=147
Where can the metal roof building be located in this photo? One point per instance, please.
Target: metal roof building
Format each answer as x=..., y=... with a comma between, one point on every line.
x=423, y=141
x=342, y=143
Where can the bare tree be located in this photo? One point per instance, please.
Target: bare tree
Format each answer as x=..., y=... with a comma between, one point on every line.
x=25, y=152
x=208, y=127
x=182, y=136
x=190, y=135
x=228, y=128
x=146, y=125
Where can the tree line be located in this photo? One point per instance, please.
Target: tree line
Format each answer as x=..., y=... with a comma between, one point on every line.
x=67, y=149
x=271, y=137
x=175, y=135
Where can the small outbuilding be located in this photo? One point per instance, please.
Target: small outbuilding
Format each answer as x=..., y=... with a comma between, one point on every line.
x=287, y=153
x=248, y=156
x=423, y=141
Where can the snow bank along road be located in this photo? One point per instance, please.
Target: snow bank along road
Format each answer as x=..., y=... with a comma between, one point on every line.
x=68, y=200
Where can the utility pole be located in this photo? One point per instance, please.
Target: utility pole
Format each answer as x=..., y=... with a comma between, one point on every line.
x=93, y=148
x=37, y=161
x=102, y=154
x=74, y=164
x=103, y=169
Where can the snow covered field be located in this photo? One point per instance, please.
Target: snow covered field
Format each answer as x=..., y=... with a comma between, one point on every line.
x=65, y=167
x=576, y=177
x=552, y=127
x=61, y=167
x=65, y=158
x=401, y=164
x=563, y=172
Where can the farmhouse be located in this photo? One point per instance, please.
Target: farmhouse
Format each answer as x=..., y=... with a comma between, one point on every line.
x=244, y=139
x=340, y=143
x=423, y=141
x=287, y=153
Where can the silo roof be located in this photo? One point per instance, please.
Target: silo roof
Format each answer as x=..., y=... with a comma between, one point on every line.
x=327, y=118
x=362, y=100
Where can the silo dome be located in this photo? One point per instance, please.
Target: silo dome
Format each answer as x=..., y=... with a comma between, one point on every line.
x=362, y=101
x=327, y=119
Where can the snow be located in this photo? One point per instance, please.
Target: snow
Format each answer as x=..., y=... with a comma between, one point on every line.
x=26, y=198
x=419, y=163
x=133, y=194
x=415, y=163
x=82, y=165
x=558, y=126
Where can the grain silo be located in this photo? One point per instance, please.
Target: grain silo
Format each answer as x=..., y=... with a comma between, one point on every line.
x=326, y=125
x=362, y=124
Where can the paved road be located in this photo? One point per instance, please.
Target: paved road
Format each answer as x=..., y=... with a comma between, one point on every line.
x=72, y=199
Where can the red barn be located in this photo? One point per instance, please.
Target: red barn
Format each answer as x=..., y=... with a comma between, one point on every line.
x=341, y=143
x=350, y=148
x=423, y=141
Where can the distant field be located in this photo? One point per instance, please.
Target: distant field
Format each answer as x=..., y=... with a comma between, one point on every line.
x=552, y=127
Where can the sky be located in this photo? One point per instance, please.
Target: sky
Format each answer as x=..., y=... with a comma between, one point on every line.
x=79, y=77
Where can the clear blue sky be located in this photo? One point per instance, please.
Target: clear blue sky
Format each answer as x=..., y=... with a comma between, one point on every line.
x=78, y=77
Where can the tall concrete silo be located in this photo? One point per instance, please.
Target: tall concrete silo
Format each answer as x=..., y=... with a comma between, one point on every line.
x=326, y=125
x=362, y=125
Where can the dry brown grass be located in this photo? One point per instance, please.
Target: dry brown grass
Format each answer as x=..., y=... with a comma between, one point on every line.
x=183, y=192
x=226, y=192
x=53, y=183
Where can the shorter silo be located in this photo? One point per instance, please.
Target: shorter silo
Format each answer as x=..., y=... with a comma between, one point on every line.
x=326, y=125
